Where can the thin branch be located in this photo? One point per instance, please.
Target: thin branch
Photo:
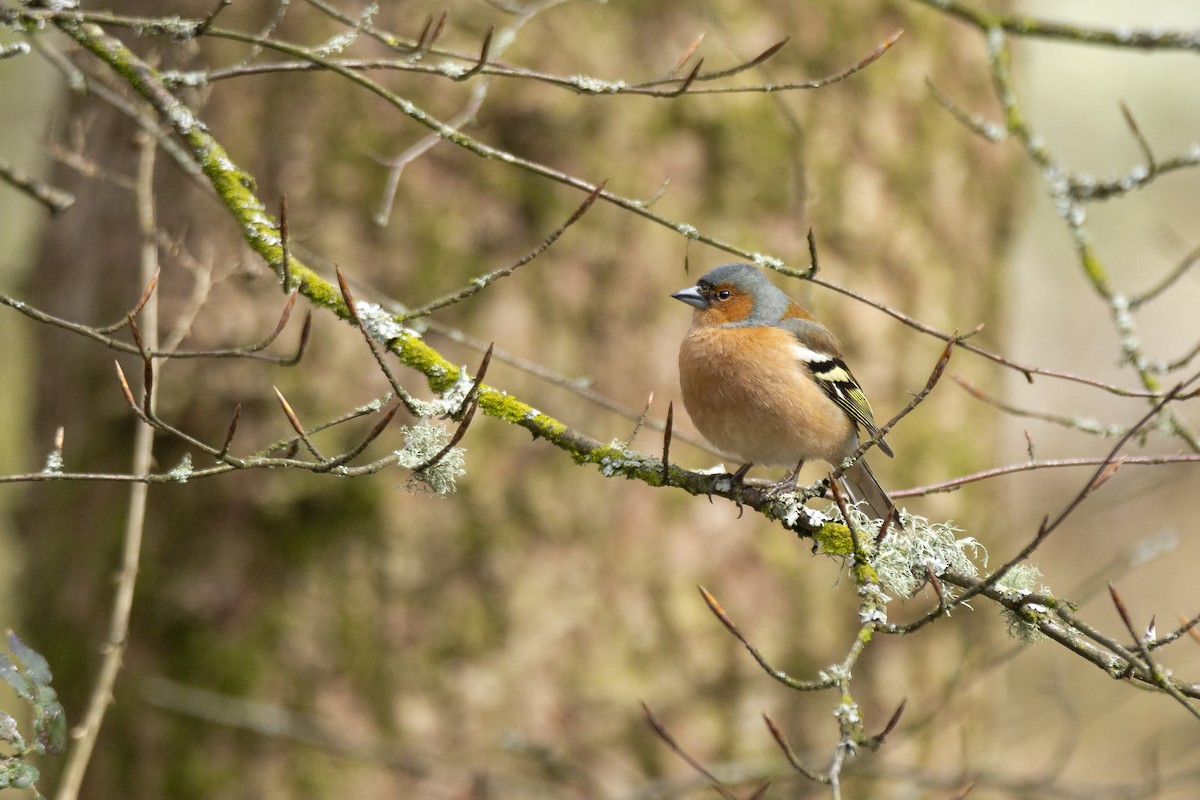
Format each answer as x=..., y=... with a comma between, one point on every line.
x=1151, y=165
x=352, y=309
x=790, y=754
x=666, y=736
x=97, y=334
x=1030, y=466
x=779, y=675
x=55, y=199
x=467, y=411
x=483, y=281
x=1048, y=526
x=1174, y=275
x=1023, y=25
x=1076, y=423
x=939, y=369
x=1027, y=370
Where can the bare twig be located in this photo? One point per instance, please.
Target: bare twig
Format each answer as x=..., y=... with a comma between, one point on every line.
x=1030, y=466
x=51, y=197
x=666, y=736
x=483, y=281
x=939, y=369
x=790, y=754
x=779, y=675
x=1167, y=282
x=466, y=410
x=352, y=309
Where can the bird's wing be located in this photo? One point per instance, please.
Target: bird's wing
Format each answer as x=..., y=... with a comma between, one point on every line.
x=816, y=348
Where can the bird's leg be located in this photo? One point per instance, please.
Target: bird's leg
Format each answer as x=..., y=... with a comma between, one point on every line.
x=788, y=483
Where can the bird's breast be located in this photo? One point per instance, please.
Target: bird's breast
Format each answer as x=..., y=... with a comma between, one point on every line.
x=748, y=394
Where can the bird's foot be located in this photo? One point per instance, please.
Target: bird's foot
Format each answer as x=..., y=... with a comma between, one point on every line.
x=737, y=481
x=788, y=484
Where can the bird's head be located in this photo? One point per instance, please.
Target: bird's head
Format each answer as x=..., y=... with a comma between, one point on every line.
x=734, y=295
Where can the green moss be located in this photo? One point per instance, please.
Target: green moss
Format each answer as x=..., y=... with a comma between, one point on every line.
x=835, y=539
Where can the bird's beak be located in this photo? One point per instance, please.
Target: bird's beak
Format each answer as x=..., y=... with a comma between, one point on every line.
x=692, y=297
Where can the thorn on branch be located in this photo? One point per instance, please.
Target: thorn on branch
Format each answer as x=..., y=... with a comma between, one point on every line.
x=1151, y=164
x=380, y=426
x=147, y=385
x=305, y=332
x=1122, y=609
x=125, y=388
x=593, y=195
x=233, y=425
x=812, y=254
x=473, y=394
x=765, y=54
x=430, y=33
x=137, y=308
x=146, y=293
x=284, y=316
x=687, y=55
x=688, y=81
x=893, y=722
x=296, y=426
x=666, y=451
x=347, y=296
x=136, y=333
x=484, y=51
x=1106, y=472
x=470, y=404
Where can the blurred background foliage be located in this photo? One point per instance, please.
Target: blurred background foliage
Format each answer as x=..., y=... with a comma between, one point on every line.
x=496, y=643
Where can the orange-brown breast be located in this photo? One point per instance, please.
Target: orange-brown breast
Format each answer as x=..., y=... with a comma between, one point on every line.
x=749, y=395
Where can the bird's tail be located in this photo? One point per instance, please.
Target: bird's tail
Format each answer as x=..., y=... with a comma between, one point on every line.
x=860, y=483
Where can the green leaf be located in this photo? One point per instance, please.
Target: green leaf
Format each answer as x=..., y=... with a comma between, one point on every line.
x=49, y=721
x=36, y=666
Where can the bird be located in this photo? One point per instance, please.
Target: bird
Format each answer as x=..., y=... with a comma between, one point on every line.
x=764, y=381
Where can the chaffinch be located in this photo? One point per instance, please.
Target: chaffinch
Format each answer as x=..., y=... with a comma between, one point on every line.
x=764, y=381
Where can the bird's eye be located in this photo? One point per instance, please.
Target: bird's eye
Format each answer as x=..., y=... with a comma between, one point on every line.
x=724, y=294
